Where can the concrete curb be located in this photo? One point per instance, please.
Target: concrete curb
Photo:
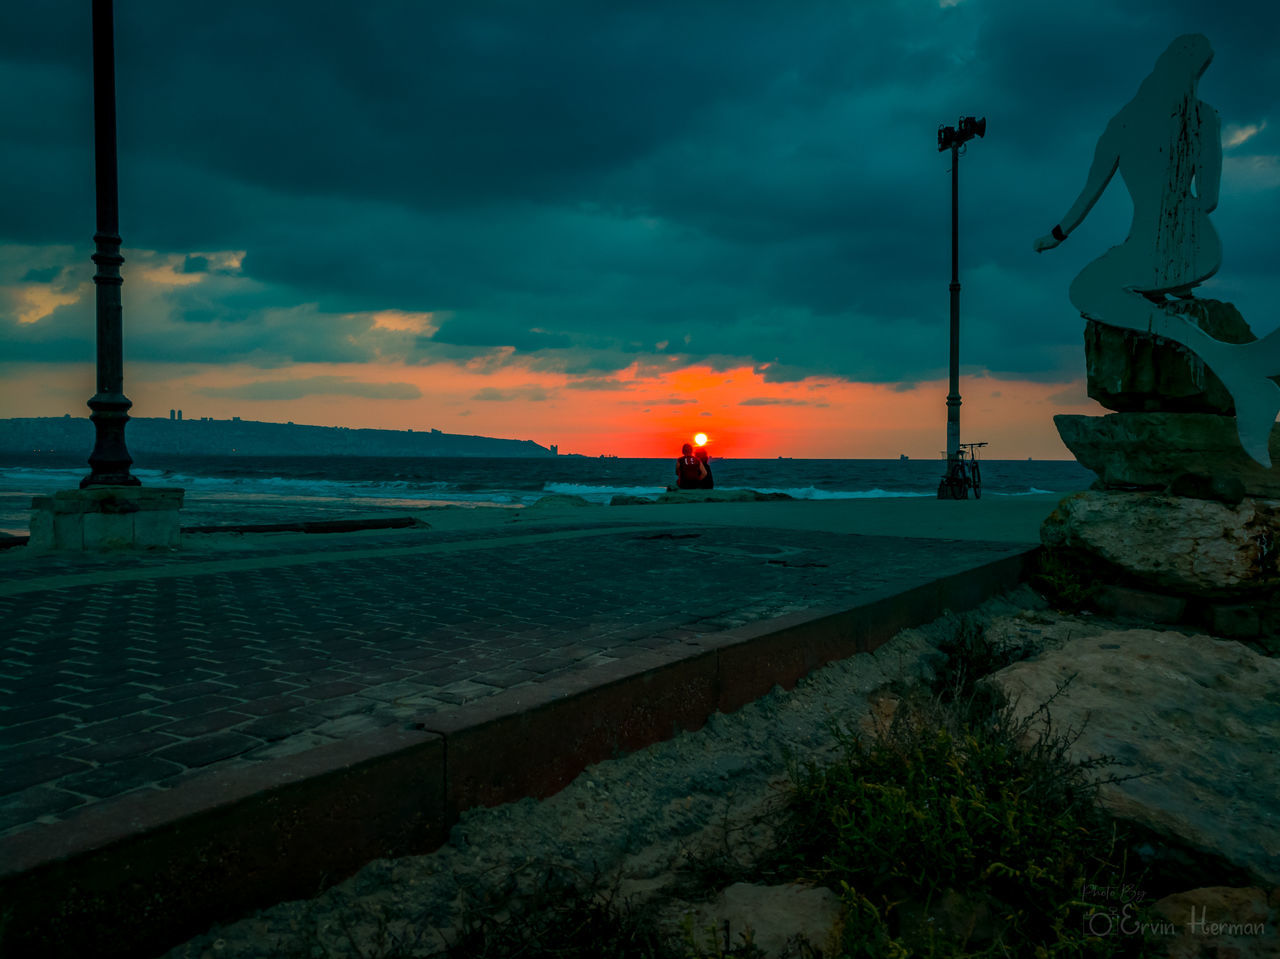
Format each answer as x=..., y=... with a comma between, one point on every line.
x=135, y=876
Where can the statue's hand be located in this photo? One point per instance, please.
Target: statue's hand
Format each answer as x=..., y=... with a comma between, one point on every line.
x=1046, y=242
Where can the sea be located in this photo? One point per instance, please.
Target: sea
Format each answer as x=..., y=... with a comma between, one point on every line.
x=246, y=490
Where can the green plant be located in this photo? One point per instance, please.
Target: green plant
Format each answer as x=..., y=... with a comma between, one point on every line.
x=1064, y=579
x=956, y=801
x=971, y=654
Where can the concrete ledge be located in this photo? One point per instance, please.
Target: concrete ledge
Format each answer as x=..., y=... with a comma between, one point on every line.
x=107, y=517
x=534, y=741
x=134, y=876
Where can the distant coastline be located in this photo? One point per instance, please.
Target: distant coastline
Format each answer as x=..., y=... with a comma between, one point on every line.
x=253, y=438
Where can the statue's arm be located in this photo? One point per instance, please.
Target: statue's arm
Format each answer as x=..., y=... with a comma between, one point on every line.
x=1106, y=158
x=1209, y=175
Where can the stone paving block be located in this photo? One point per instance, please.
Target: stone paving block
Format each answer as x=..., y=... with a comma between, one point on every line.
x=185, y=708
x=329, y=690
x=268, y=705
x=349, y=725
x=124, y=726
x=108, y=694
x=25, y=706
x=203, y=723
x=27, y=806
x=277, y=725
x=504, y=678
x=208, y=749
x=115, y=709
x=139, y=744
x=464, y=692
x=32, y=772
x=334, y=708
x=119, y=777
x=38, y=729
x=190, y=690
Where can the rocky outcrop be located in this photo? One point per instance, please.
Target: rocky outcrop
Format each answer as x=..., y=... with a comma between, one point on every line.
x=1215, y=921
x=1131, y=371
x=1153, y=450
x=559, y=500
x=1175, y=544
x=1195, y=719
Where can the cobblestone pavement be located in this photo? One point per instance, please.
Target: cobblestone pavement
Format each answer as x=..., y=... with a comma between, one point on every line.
x=134, y=672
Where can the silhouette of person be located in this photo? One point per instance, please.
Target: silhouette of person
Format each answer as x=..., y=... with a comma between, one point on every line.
x=1166, y=145
x=689, y=469
x=708, y=481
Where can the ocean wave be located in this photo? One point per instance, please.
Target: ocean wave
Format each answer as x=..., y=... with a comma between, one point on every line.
x=602, y=494
x=812, y=492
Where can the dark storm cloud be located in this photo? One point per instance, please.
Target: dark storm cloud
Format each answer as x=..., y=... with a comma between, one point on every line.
x=584, y=187
x=46, y=275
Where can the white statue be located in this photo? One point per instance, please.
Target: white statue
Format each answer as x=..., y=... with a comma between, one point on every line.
x=1166, y=143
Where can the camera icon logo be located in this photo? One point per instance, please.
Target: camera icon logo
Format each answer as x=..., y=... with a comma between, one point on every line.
x=1099, y=924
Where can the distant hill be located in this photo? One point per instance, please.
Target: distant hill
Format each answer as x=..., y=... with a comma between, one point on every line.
x=252, y=438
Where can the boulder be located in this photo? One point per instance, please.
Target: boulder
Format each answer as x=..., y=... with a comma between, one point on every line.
x=1153, y=450
x=560, y=499
x=1131, y=371
x=1174, y=544
x=1196, y=719
x=772, y=917
x=1215, y=921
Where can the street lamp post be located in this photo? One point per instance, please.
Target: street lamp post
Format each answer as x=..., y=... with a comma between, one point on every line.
x=110, y=458
x=953, y=138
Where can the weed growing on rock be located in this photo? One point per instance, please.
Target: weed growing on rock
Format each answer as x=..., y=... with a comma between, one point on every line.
x=956, y=829
x=1063, y=579
x=971, y=655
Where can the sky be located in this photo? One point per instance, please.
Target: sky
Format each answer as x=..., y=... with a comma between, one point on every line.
x=602, y=225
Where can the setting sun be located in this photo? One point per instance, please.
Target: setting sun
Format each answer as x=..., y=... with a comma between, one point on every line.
x=700, y=439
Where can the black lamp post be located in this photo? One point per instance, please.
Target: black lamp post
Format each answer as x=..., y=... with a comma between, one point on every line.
x=953, y=138
x=110, y=459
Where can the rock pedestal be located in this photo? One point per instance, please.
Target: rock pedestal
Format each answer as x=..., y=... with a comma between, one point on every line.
x=1129, y=371
x=1175, y=559
x=107, y=517
x=1188, y=546
x=1153, y=450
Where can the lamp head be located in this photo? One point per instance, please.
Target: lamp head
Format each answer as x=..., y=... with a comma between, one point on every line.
x=965, y=130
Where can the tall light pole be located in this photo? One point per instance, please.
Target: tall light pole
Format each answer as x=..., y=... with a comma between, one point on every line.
x=953, y=138
x=110, y=458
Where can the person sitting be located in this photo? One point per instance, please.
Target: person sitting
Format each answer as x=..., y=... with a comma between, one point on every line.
x=708, y=481
x=689, y=469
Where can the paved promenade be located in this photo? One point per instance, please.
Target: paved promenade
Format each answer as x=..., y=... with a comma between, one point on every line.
x=121, y=673
x=128, y=678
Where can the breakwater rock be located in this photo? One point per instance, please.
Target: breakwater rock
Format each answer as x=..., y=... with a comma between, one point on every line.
x=1196, y=720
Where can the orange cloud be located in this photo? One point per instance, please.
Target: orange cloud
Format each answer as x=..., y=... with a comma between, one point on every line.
x=743, y=416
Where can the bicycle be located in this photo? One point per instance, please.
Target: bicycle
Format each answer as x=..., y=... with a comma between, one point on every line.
x=963, y=474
